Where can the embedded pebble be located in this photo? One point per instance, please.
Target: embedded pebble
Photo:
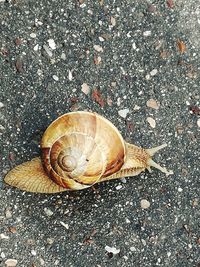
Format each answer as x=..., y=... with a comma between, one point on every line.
x=133, y=249
x=112, y=250
x=147, y=33
x=136, y=108
x=198, y=122
x=33, y=35
x=123, y=112
x=1, y=105
x=70, y=76
x=134, y=46
x=11, y=262
x=64, y=224
x=55, y=77
x=3, y=255
x=153, y=72
x=48, y=212
x=3, y=236
x=50, y=241
x=2, y=128
x=151, y=103
x=48, y=51
x=98, y=48
x=85, y=88
x=35, y=48
x=123, y=180
x=151, y=122
x=63, y=56
x=52, y=44
x=145, y=204
x=8, y=214
x=118, y=187
x=33, y=252
x=113, y=21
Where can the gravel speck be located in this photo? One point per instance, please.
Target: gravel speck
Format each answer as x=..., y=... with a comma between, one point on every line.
x=153, y=72
x=33, y=35
x=48, y=212
x=55, y=77
x=147, y=33
x=85, y=88
x=98, y=48
x=145, y=204
x=1, y=105
x=151, y=122
x=112, y=250
x=11, y=263
x=64, y=224
x=151, y=103
x=52, y=44
x=48, y=51
x=198, y=122
x=123, y=112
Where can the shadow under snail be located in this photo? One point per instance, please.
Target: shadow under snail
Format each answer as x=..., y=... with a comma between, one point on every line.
x=78, y=150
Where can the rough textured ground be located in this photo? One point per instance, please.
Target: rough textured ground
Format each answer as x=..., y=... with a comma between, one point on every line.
x=130, y=52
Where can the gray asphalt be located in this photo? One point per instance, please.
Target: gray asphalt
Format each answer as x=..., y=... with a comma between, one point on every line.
x=130, y=52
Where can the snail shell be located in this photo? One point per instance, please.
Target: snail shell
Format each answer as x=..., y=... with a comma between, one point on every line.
x=78, y=150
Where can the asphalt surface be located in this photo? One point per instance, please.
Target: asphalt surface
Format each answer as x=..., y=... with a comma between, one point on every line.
x=121, y=54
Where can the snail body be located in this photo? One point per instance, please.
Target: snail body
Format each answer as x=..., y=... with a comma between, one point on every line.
x=78, y=150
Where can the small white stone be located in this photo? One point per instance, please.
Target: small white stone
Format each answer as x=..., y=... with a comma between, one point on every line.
x=64, y=224
x=180, y=189
x=3, y=236
x=70, y=76
x=151, y=103
x=85, y=88
x=39, y=72
x=55, y=77
x=112, y=250
x=151, y=122
x=123, y=180
x=153, y=72
x=198, y=122
x=123, y=112
x=1, y=105
x=11, y=262
x=48, y=212
x=33, y=35
x=145, y=204
x=118, y=187
x=147, y=77
x=113, y=21
x=134, y=46
x=35, y=48
x=33, y=252
x=98, y=48
x=136, y=108
x=101, y=39
x=3, y=255
x=63, y=56
x=128, y=221
x=147, y=33
x=46, y=48
x=51, y=43
x=2, y=128
x=133, y=249
x=169, y=254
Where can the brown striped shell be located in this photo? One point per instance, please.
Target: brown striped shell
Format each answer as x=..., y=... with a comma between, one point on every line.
x=81, y=148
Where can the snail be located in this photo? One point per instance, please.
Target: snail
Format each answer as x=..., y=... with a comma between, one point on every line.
x=78, y=150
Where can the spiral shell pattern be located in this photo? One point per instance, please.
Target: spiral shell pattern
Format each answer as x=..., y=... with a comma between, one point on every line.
x=80, y=148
